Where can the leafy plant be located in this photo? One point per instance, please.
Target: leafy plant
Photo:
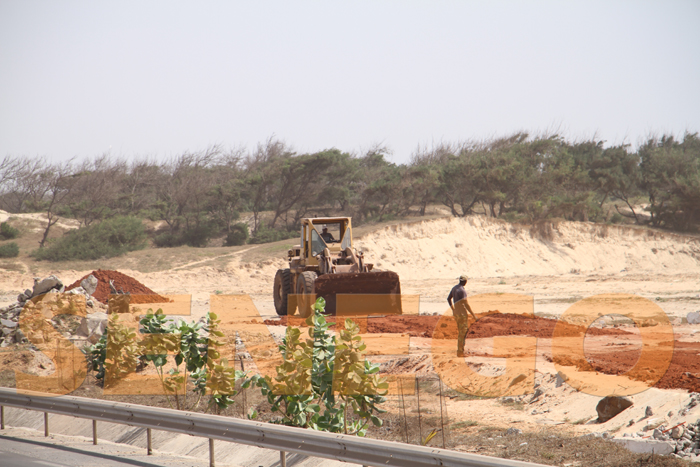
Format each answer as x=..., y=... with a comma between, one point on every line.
x=197, y=359
x=9, y=250
x=121, y=351
x=7, y=232
x=198, y=363
x=95, y=356
x=324, y=382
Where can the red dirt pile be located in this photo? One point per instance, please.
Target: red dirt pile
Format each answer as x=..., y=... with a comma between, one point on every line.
x=140, y=293
x=682, y=373
x=489, y=324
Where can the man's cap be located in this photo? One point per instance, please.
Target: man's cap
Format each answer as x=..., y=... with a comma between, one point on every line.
x=463, y=278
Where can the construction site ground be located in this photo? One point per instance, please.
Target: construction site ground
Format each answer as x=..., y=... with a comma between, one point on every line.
x=557, y=265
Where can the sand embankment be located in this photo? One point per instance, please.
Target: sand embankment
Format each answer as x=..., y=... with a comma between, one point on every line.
x=445, y=248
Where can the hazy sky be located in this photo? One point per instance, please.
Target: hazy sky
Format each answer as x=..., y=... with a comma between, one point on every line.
x=157, y=78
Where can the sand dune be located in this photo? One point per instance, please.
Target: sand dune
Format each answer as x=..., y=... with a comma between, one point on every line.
x=485, y=247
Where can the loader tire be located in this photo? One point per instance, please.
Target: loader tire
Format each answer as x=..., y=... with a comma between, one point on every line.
x=282, y=289
x=305, y=293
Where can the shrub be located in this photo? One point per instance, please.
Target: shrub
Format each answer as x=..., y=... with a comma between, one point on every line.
x=198, y=236
x=238, y=235
x=109, y=238
x=8, y=232
x=194, y=236
x=616, y=219
x=9, y=250
x=196, y=356
x=266, y=235
x=325, y=382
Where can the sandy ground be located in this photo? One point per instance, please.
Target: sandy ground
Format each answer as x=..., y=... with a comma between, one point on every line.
x=557, y=266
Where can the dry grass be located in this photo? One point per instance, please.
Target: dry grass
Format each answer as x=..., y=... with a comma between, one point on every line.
x=552, y=449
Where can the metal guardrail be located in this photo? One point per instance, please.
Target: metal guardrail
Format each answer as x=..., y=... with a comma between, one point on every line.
x=369, y=452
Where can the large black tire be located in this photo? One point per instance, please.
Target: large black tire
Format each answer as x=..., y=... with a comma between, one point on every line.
x=281, y=290
x=305, y=293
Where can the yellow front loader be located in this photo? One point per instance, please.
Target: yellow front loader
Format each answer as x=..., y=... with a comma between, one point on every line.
x=325, y=264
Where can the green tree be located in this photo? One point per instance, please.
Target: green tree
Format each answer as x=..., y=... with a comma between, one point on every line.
x=616, y=174
x=671, y=177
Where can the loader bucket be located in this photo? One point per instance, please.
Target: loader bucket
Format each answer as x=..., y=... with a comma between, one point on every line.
x=361, y=293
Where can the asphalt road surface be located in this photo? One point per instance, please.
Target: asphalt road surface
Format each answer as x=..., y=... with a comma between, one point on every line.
x=28, y=450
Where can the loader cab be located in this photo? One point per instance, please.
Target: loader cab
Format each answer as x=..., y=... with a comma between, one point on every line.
x=337, y=236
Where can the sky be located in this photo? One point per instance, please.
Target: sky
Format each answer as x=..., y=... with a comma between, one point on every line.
x=155, y=79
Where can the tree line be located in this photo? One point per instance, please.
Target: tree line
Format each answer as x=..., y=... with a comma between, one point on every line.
x=202, y=194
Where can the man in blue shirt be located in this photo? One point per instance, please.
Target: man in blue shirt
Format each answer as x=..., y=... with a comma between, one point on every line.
x=460, y=309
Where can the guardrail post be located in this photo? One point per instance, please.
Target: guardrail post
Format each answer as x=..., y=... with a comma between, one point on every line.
x=2, y=417
x=94, y=432
x=283, y=459
x=211, y=453
x=46, y=424
x=149, y=450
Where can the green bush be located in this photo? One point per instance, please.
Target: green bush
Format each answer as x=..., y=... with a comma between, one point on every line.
x=238, y=235
x=267, y=235
x=9, y=250
x=109, y=238
x=325, y=381
x=194, y=236
x=7, y=232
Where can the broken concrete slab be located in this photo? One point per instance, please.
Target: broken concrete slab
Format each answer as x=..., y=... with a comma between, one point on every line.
x=644, y=446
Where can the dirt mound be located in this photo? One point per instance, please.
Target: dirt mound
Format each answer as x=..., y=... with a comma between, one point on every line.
x=489, y=324
x=682, y=373
x=123, y=283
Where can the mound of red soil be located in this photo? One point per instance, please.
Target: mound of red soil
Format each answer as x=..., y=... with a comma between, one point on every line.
x=123, y=283
x=682, y=373
x=489, y=324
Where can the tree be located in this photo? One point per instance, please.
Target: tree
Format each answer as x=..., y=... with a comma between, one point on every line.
x=260, y=174
x=139, y=185
x=183, y=190
x=616, y=173
x=296, y=184
x=671, y=177
x=55, y=184
x=456, y=183
x=21, y=187
x=97, y=185
x=226, y=195
x=379, y=184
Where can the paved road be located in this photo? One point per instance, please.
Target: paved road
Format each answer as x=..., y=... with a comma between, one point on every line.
x=25, y=448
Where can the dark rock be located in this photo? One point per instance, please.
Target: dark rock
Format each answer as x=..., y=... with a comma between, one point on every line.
x=610, y=406
x=44, y=285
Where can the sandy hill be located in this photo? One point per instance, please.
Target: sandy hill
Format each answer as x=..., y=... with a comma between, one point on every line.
x=484, y=247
